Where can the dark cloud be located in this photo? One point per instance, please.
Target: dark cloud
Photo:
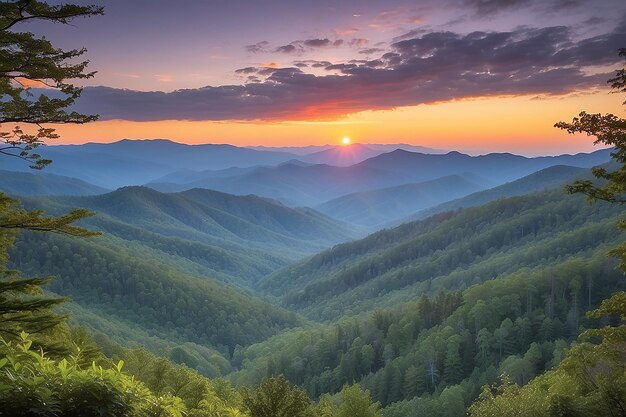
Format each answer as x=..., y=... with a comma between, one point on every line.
x=311, y=63
x=246, y=70
x=298, y=47
x=258, y=47
x=320, y=64
x=433, y=67
x=486, y=8
x=594, y=21
x=410, y=35
x=316, y=43
x=287, y=49
x=370, y=51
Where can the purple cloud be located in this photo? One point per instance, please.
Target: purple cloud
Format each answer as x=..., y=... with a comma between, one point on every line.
x=431, y=67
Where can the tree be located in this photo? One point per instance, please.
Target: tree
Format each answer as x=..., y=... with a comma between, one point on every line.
x=276, y=397
x=27, y=61
x=356, y=402
x=608, y=130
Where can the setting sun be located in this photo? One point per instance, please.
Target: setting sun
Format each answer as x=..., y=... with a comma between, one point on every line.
x=345, y=140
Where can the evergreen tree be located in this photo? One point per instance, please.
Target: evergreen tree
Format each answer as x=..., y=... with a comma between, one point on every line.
x=23, y=305
x=27, y=61
x=452, y=366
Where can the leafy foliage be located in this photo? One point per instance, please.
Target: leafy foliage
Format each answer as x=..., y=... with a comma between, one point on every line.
x=27, y=61
x=23, y=306
x=276, y=397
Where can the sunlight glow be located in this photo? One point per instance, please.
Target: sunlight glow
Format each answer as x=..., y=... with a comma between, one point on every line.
x=345, y=140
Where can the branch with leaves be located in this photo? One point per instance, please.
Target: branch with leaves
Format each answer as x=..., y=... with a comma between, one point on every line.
x=608, y=130
x=27, y=61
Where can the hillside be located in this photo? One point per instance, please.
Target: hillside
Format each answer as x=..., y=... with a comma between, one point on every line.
x=176, y=269
x=116, y=281
x=451, y=251
x=552, y=177
x=375, y=207
x=425, y=314
x=236, y=239
x=435, y=352
x=30, y=184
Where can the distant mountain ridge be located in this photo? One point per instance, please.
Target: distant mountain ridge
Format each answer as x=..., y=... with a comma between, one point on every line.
x=380, y=206
x=552, y=177
x=43, y=183
x=341, y=156
x=314, y=185
x=382, y=147
x=215, y=218
x=136, y=162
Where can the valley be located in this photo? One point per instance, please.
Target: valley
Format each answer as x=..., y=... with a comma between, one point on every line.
x=312, y=209
x=245, y=287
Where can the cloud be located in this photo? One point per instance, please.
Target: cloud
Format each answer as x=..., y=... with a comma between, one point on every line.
x=370, y=51
x=487, y=8
x=311, y=63
x=247, y=70
x=317, y=43
x=428, y=68
x=287, y=49
x=358, y=42
x=490, y=7
x=257, y=47
x=301, y=46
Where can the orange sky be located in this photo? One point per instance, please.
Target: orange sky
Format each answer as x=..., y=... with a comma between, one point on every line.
x=514, y=124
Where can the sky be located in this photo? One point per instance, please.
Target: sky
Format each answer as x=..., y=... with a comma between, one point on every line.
x=472, y=75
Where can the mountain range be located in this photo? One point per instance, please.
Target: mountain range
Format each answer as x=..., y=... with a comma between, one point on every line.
x=136, y=162
x=312, y=185
x=375, y=207
x=238, y=281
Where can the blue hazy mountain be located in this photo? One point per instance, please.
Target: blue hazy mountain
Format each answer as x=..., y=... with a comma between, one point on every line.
x=313, y=185
x=553, y=177
x=342, y=156
x=43, y=183
x=376, y=207
x=136, y=162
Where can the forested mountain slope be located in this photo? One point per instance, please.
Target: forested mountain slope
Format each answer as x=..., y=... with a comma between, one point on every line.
x=229, y=224
x=431, y=355
x=154, y=276
x=547, y=178
x=450, y=250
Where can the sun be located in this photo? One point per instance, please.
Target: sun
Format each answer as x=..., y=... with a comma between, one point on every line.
x=345, y=140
